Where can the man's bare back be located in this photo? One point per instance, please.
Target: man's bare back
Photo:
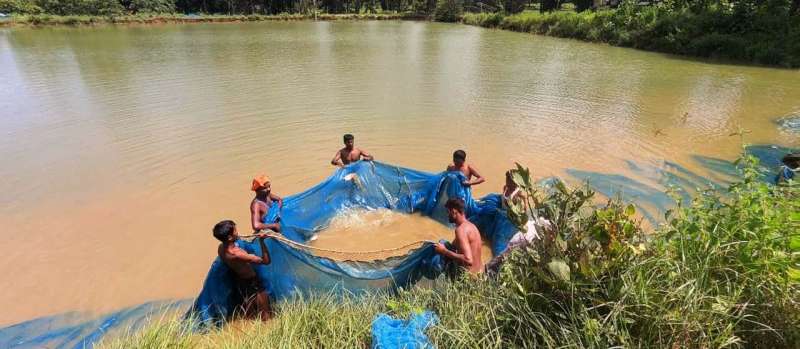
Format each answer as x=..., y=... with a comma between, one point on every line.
x=469, y=232
x=467, y=243
x=238, y=260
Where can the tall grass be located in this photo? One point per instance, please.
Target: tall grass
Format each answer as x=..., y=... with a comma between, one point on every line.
x=721, y=272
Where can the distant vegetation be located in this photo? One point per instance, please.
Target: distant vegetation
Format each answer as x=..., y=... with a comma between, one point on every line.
x=762, y=32
x=756, y=31
x=723, y=271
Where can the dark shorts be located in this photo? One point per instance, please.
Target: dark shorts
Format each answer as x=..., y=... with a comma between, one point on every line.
x=248, y=288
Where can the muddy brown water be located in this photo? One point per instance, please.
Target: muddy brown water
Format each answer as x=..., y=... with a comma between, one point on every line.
x=122, y=146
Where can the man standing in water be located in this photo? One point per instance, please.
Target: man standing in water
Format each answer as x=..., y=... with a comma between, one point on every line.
x=466, y=247
x=460, y=164
x=349, y=153
x=248, y=285
x=261, y=203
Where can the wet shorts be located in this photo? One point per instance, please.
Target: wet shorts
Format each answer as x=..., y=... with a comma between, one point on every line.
x=248, y=288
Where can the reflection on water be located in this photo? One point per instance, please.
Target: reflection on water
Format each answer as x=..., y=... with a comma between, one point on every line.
x=122, y=146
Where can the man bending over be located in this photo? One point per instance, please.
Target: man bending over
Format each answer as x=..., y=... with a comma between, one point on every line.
x=349, y=153
x=466, y=247
x=248, y=285
x=469, y=171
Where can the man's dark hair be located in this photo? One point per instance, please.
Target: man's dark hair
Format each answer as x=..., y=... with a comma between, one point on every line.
x=455, y=204
x=223, y=230
x=460, y=155
x=791, y=160
x=348, y=137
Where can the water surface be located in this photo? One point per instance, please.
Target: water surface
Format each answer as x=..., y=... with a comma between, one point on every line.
x=122, y=146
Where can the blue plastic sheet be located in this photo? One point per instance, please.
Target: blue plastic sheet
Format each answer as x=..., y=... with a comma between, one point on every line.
x=366, y=185
x=391, y=333
x=75, y=330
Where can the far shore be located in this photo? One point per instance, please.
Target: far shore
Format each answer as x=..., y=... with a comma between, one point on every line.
x=55, y=20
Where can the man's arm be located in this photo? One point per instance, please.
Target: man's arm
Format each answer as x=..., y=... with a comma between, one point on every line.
x=277, y=198
x=255, y=220
x=337, y=159
x=478, y=178
x=249, y=258
x=366, y=155
x=464, y=258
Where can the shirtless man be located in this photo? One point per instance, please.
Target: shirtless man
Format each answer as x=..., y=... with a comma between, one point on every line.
x=248, y=285
x=261, y=203
x=467, y=244
x=349, y=153
x=469, y=171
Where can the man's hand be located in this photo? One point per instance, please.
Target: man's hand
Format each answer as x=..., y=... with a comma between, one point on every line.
x=439, y=248
x=261, y=235
x=466, y=183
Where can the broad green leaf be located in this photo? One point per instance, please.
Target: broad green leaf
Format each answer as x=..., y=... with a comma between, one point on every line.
x=794, y=274
x=559, y=269
x=630, y=210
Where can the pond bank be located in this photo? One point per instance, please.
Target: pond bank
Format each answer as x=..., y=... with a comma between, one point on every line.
x=770, y=40
x=55, y=20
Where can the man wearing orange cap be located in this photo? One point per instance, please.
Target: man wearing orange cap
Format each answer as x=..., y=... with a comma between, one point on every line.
x=262, y=202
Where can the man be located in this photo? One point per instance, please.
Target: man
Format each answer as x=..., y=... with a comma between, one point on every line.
x=791, y=165
x=466, y=247
x=261, y=203
x=460, y=164
x=248, y=285
x=349, y=153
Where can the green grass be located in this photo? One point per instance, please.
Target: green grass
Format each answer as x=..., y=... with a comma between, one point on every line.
x=722, y=272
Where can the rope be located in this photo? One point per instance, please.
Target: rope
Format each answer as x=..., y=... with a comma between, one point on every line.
x=387, y=251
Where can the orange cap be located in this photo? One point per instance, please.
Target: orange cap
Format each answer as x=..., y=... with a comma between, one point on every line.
x=259, y=181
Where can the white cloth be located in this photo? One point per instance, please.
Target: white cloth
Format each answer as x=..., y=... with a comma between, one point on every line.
x=531, y=232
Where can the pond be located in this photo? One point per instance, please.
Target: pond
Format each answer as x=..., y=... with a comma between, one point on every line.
x=122, y=146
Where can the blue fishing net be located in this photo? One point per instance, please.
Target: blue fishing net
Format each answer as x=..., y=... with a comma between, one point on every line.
x=363, y=185
x=391, y=333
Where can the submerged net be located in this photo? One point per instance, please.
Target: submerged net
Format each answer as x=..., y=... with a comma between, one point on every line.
x=297, y=267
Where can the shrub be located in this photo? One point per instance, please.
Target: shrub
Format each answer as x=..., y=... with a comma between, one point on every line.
x=19, y=7
x=152, y=6
x=448, y=10
x=81, y=7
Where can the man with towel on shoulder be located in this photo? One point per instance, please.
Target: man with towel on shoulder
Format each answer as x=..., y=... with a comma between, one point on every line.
x=261, y=204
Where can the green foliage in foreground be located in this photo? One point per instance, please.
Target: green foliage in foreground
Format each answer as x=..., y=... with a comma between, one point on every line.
x=769, y=38
x=722, y=272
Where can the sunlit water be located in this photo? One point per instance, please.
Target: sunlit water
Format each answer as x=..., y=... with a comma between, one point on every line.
x=122, y=146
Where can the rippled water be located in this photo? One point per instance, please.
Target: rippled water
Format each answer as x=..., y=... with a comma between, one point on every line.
x=122, y=146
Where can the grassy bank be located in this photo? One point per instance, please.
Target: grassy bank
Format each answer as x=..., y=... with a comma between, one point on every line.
x=760, y=38
x=86, y=20
x=722, y=272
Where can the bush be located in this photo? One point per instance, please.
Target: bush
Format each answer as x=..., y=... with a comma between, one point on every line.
x=24, y=7
x=81, y=7
x=448, y=10
x=152, y=6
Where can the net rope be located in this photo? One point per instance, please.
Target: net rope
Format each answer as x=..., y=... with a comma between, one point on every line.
x=344, y=255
